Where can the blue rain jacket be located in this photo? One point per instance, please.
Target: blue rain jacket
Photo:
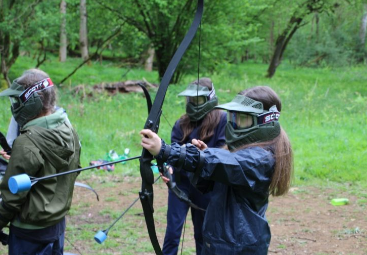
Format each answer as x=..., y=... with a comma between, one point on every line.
x=235, y=221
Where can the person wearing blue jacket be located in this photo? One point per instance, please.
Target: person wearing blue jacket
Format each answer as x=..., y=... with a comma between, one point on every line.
x=202, y=122
x=257, y=163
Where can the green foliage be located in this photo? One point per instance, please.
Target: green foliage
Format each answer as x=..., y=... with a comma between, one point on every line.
x=89, y=73
x=334, y=44
x=231, y=31
x=221, y=42
x=323, y=114
x=164, y=26
x=30, y=23
x=326, y=38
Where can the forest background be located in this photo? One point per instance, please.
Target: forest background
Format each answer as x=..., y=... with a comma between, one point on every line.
x=312, y=52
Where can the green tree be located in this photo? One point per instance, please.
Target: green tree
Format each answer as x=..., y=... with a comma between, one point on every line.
x=22, y=23
x=297, y=20
x=329, y=38
x=227, y=28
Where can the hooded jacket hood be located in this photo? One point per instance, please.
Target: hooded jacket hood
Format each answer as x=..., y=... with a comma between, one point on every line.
x=53, y=137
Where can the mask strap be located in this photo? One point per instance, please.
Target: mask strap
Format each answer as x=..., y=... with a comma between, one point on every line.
x=272, y=115
x=211, y=94
x=38, y=86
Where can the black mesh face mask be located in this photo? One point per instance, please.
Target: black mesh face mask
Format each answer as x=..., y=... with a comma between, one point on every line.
x=27, y=111
x=197, y=112
x=15, y=102
x=26, y=103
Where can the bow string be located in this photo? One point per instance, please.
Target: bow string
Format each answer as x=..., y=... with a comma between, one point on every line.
x=152, y=123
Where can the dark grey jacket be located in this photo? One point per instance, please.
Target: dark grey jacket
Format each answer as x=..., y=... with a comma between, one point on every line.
x=235, y=221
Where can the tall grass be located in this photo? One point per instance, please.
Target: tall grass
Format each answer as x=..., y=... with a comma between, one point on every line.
x=324, y=113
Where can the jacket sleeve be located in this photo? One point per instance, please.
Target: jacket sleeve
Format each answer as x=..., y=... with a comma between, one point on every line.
x=23, y=160
x=251, y=167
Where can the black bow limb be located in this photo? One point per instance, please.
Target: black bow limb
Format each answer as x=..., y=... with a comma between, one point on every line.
x=152, y=123
x=164, y=169
x=4, y=238
x=4, y=144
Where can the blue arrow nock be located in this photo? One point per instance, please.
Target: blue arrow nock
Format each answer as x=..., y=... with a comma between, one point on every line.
x=101, y=236
x=19, y=183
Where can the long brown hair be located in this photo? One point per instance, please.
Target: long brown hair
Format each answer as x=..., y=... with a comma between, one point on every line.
x=207, y=127
x=281, y=146
x=208, y=123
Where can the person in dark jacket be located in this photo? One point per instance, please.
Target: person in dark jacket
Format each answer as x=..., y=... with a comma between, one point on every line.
x=201, y=122
x=47, y=144
x=258, y=163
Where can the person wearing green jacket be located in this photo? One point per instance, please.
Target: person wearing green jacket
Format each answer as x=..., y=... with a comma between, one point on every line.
x=47, y=145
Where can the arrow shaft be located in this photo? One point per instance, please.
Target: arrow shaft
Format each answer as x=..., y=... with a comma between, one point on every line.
x=83, y=169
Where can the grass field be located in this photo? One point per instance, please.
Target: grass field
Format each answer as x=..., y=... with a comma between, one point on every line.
x=324, y=113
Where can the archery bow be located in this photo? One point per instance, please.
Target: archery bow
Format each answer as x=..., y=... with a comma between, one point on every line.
x=152, y=123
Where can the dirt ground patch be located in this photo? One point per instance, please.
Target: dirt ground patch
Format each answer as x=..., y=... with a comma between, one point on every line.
x=302, y=222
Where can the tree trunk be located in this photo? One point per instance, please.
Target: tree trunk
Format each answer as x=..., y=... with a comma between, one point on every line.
x=149, y=61
x=362, y=35
x=306, y=8
x=83, y=32
x=317, y=18
x=315, y=23
x=9, y=50
x=63, y=36
x=161, y=63
x=281, y=44
x=271, y=39
x=3, y=47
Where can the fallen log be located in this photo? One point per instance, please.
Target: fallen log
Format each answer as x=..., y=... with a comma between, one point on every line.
x=123, y=87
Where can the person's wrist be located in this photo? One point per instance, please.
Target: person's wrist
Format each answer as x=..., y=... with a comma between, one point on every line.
x=164, y=151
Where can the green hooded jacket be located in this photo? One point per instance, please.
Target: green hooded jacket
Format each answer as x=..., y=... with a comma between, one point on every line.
x=47, y=145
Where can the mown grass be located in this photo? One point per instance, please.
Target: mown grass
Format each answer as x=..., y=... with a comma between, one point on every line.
x=324, y=113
